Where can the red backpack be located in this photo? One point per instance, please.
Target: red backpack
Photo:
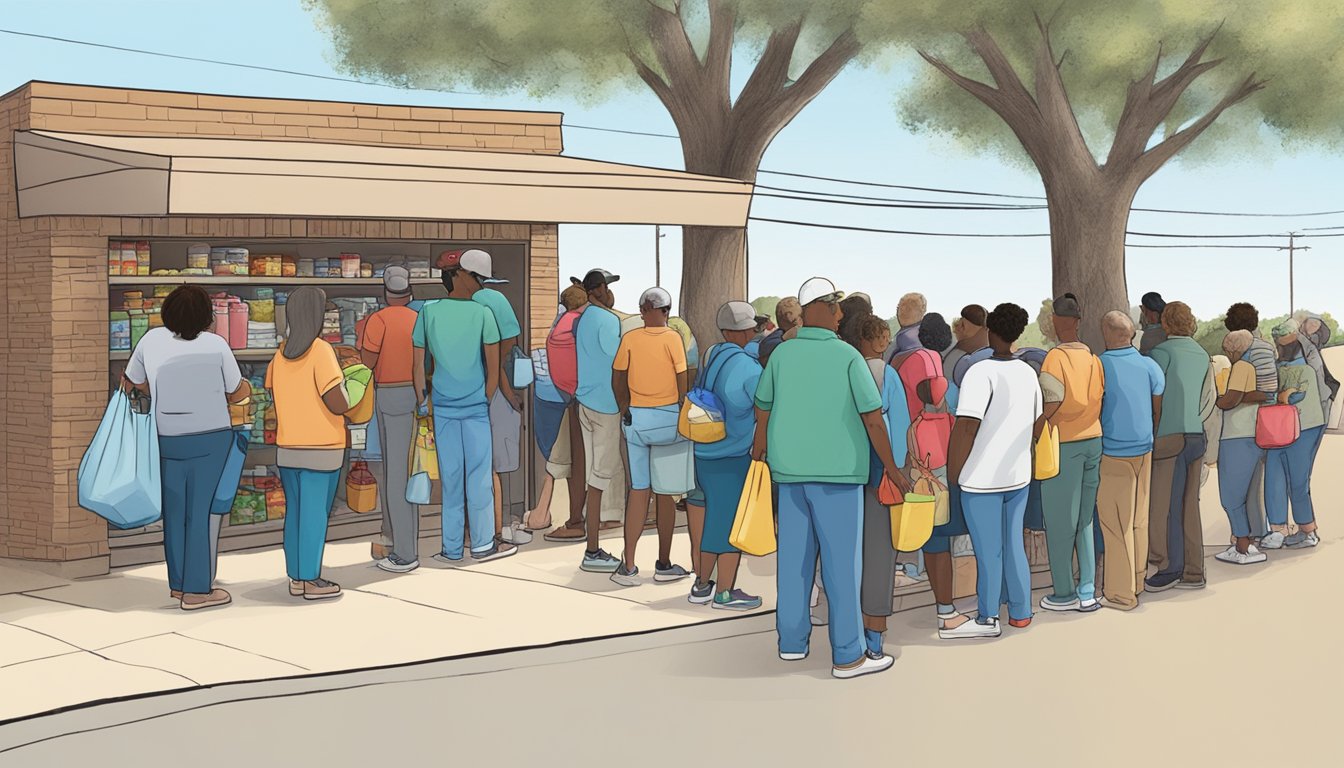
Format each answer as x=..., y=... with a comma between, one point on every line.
x=931, y=427
x=561, y=353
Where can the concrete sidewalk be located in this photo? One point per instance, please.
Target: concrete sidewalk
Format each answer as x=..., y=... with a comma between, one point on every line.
x=64, y=643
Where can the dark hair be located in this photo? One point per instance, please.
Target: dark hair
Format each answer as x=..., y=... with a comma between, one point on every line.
x=873, y=327
x=447, y=276
x=935, y=333
x=856, y=309
x=1242, y=317
x=974, y=313
x=1007, y=321
x=187, y=311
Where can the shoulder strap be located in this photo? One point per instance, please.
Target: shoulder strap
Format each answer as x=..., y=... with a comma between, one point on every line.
x=715, y=355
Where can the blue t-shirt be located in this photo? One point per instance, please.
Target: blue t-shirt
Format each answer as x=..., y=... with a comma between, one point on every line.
x=732, y=375
x=1132, y=381
x=454, y=330
x=500, y=307
x=753, y=348
x=596, y=340
x=897, y=417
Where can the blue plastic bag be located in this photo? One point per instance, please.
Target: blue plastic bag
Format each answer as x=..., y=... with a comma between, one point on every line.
x=119, y=473
x=418, y=488
x=222, y=504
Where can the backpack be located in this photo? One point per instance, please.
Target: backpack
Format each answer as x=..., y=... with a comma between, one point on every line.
x=931, y=428
x=562, y=354
x=702, y=418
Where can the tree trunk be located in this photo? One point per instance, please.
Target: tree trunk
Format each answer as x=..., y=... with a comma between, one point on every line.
x=713, y=271
x=1088, y=218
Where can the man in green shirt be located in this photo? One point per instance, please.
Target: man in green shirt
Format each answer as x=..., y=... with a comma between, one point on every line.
x=818, y=412
x=1176, y=537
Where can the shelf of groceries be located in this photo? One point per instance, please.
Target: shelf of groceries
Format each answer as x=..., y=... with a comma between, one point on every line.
x=249, y=291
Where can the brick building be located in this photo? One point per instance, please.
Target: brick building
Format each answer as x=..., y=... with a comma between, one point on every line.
x=81, y=166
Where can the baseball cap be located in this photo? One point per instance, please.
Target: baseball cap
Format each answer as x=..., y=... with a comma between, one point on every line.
x=397, y=281
x=476, y=261
x=657, y=298
x=1152, y=301
x=737, y=316
x=1067, y=306
x=594, y=278
x=818, y=289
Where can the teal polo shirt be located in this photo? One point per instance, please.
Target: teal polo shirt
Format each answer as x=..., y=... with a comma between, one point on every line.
x=815, y=387
x=454, y=330
x=499, y=306
x=1185, y=365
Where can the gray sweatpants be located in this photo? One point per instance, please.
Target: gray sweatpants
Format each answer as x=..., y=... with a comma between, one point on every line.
x=396, y=429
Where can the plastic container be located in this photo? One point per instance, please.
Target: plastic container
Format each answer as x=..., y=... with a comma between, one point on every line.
x=119, y=332
x=305, y=268
x=221, y=326
x=237, y=323
x=349, y=265
x=198, y=256
x=365, y=269
x=289, y=266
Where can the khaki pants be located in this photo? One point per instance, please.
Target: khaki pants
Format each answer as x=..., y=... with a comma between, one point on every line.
x=1122, y=510
x=1168, y=451
x=560, y=466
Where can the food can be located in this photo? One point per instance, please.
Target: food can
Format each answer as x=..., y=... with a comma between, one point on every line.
x=349, y=265
x=365, y=269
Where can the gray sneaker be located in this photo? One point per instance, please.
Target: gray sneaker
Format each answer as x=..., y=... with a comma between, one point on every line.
x=394, y=564
x=1302, y=540
x=1272, y=540
x=626, y=577
x=600, y=561
x=736, y=600
x=701, y=594
x=665, y=573
x=501, y=549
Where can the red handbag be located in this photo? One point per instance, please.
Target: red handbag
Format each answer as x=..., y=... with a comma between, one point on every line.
x=1277, y=426
x=888, y=495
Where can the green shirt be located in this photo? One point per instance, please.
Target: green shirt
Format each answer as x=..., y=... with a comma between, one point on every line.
x=1299, y=376
x=1187, y=369
x=454, y=331
x=815, y=387
x=500, y=307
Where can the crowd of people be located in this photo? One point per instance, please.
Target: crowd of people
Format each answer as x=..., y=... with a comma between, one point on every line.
x=839, y=405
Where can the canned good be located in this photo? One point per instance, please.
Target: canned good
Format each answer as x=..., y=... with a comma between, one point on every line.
x=365, y=269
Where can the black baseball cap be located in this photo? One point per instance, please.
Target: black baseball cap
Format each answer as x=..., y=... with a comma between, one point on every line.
x=1153, y=302
x=1067, y=306
x=595, y=278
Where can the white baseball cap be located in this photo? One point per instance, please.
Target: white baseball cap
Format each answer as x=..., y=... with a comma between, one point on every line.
x=475, y=261
x=818, y=289
x=737, y=316
x=656, y=298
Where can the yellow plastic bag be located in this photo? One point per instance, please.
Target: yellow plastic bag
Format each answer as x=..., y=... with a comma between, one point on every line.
x=754, y=526
x=912, y=522
x=1047, y=453
x=928, y=484
x=424, y=458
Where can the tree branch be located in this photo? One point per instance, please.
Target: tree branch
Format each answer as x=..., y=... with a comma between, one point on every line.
x=1152, y=160
x=1056, y=111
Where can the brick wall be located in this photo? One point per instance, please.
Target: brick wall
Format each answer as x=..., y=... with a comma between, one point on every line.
x=55, y=293
x=118, y=111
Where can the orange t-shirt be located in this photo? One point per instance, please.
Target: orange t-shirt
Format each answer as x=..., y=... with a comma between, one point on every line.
x=388, y=332
x=1083, y=379
x=303, y=420
x=652, y=357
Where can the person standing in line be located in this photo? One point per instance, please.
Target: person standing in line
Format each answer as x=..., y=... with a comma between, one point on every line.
x=1264, y=358
x=650, y=382
x=597, y=336
x=971, y=335
x=506, y=405
x=1288, y=469
x=191, y=377
x=1130, y=409
x=999, y=417
x=1177, y=452
x=1150, y=308
x=910, y=310
x=721, y=467
x=556, y=432
x=789, y=317
x=307, y=387
x=763, y=328
x=388, y=351
x=1238, y=454
x=462, y=339
x=1072, y=385
x=817, y=411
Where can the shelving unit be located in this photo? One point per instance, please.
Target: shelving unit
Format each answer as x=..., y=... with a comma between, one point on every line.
x=246, y=280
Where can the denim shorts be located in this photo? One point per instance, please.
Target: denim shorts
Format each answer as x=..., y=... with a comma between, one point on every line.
x=660, y=458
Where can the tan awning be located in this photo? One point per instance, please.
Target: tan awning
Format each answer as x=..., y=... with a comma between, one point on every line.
x=66, y=174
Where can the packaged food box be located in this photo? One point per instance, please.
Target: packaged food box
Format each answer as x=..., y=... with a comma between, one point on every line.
x=249, y=506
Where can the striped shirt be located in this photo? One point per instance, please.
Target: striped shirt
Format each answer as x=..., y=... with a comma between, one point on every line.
x=1265, y=359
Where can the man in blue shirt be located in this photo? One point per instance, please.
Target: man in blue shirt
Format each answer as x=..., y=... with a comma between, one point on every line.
x=1130, y=409
x=462, y=337
x=597, y=336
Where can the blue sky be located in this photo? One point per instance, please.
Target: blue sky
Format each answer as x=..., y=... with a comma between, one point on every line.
x=850, y=131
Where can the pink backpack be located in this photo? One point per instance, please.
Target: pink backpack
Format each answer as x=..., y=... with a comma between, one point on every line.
x=1277, y=426
x=930, y=430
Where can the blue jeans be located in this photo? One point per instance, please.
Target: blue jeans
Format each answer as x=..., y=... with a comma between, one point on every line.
x=1237, y=460
x=462, y=439
x=995, y=520
x=191, y=466
x=823, y=519
x=1288, y=478
x=309, y=495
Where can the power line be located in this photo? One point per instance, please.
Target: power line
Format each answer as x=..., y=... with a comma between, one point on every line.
x=856, y=182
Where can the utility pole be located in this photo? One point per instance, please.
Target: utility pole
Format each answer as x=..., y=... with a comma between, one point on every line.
x=1292, y=249
x=658, y=254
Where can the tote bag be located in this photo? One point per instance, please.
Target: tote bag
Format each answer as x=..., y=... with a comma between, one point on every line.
x=424, y=462
x=1277, y=426
x=754, y=526
x=118, y=476
x=1047, y=453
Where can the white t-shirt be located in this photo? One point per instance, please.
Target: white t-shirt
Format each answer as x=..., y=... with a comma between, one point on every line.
x=1006, y=397
x=188, y=380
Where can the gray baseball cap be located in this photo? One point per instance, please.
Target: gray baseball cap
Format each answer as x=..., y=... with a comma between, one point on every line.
x=1067, y=306
x=656, y=298
x=397, y=281
x=737, y=316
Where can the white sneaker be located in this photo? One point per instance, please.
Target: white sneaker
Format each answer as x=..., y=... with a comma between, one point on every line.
x=1272, y=540
x=870, y=664
x=516, y=534
x=792, y=656
x=972, y=629
x=1250, y=557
